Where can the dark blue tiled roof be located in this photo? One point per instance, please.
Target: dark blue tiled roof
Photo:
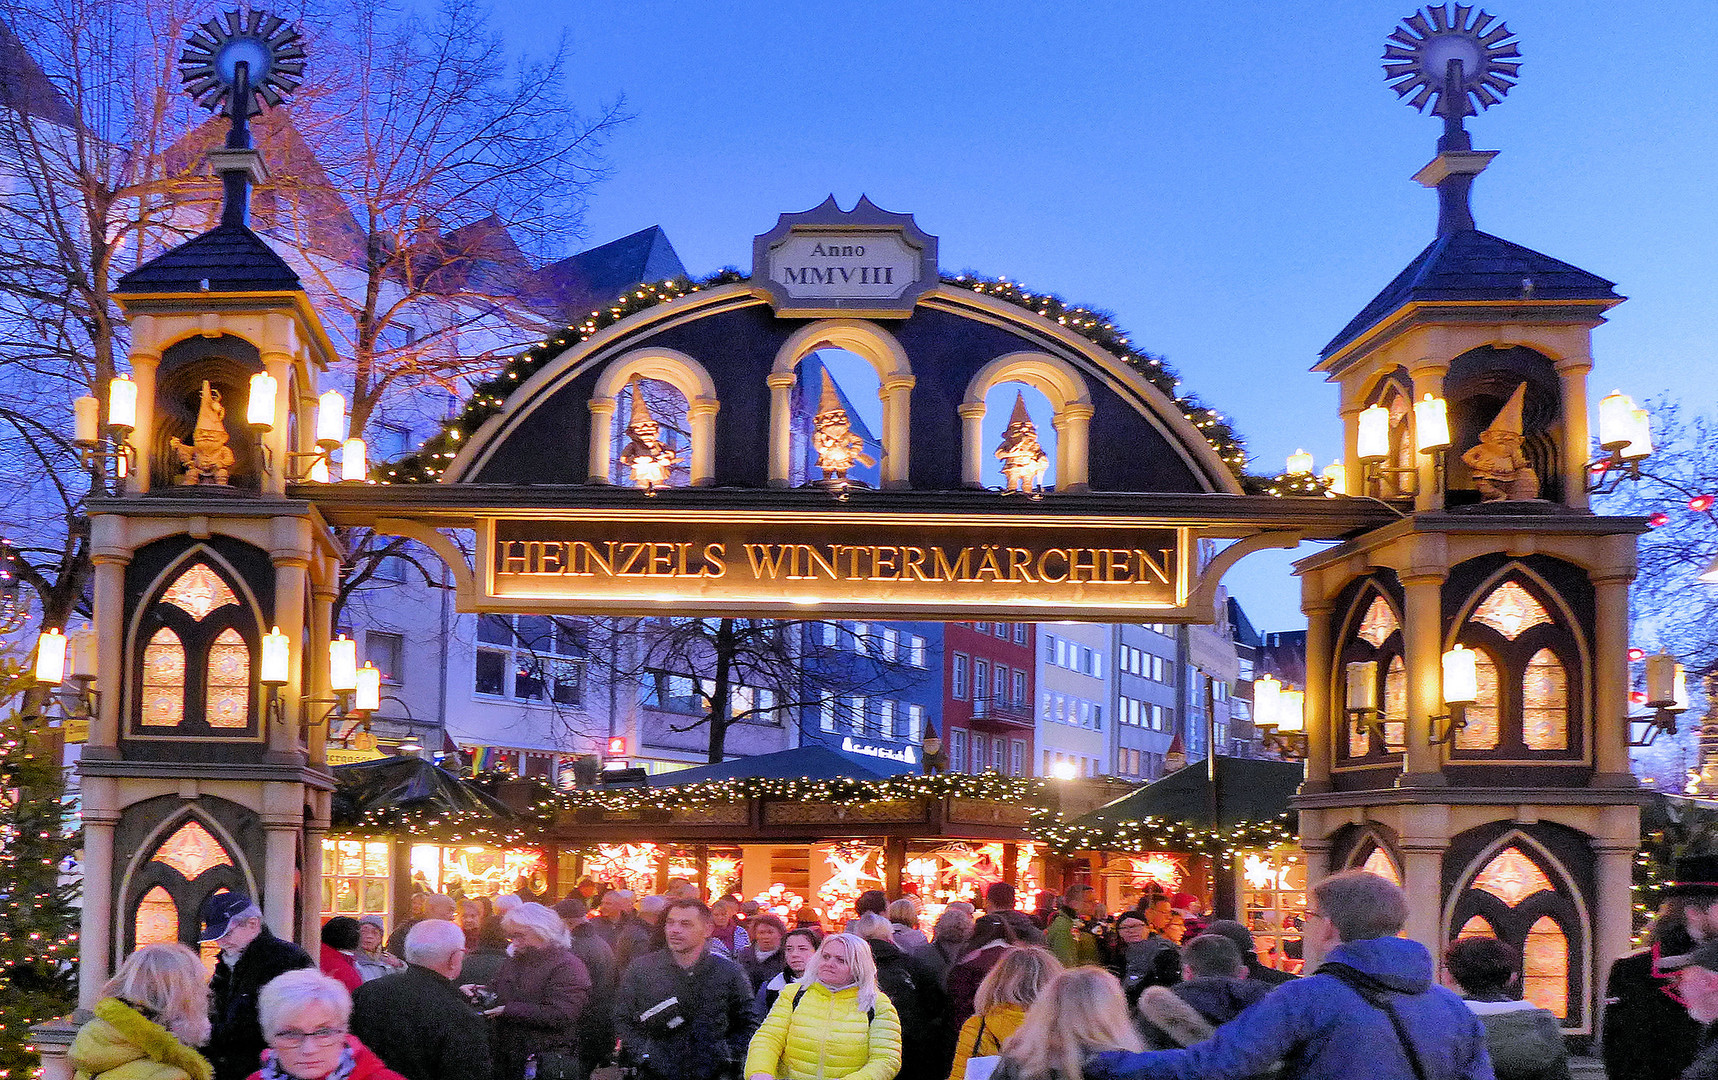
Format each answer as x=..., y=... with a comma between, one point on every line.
x=595, y=277
x=25, y=88
x=1472, y=265
x=230, y=258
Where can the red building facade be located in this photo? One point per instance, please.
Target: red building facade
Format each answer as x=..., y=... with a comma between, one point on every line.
x=988, y=697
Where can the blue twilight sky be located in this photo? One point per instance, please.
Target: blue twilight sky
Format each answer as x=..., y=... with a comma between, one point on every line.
x=1230, y=179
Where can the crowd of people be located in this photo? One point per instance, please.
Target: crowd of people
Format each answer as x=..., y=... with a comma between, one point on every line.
x=667, y=987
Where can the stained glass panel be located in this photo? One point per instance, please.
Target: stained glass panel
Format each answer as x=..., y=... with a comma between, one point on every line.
x=1512, y=877
x=191, y=850
x=1395, y=705
x=1545, y=703
x=229, y=696
x=163, y=680
x=157, y=920
x=1481, y=732
x=1379, y=623
x=1545, y=967
x=199, y=591
x=1511, y=609
x=1380, y=864
x=1476, y=927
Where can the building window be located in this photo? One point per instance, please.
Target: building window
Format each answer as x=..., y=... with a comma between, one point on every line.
x=891, y=639
x=977, y=753
x=857, y=714
x=1545, y=703
x=960, y=676
x=999, y=755
x=981, y=627
x=538, y=659
x=831, y=634
x=886, y=719
x=1002, y=630
x=1019, y=688
x=915, y=722
x=1019, y=637
x=980, y=685
x=916, y=652
x=957, y=751
x=1017, y=757
x=229, y=681
x=163, y=680
x=1061, y=653
x=826, y=715
x=387, y=652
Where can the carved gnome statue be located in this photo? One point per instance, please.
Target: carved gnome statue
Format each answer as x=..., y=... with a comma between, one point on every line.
x=208, y=460
x=838, y=448
x=1022, y=456
x=1500, y=470
x=936, y=761
x=645, y=455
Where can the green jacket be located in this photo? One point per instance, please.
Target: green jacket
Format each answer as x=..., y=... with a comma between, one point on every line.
x=1071, y=942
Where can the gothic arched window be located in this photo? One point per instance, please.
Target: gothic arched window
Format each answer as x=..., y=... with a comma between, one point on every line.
x=1516, y=898
x=1375, y=637
x=194, y=671
x=1529, y=702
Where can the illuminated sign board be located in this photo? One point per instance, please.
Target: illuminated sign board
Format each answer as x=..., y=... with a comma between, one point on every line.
x=839, y=565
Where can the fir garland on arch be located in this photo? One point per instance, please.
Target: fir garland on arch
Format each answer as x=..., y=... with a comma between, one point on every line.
x=850, y=790
x=488, y=397
x=1162, y=834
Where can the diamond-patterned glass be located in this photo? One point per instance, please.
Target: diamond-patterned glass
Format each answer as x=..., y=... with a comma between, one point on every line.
x=229, y=694
x=1481, y=732
x=1379, y=623
x=1545, y=967
x=157, y=919
x=199, y=591
x=1545, y=703
x=1380, y=864
x=163, y=680
x=1510, y=610
x=1512, y=877
x=192, y=850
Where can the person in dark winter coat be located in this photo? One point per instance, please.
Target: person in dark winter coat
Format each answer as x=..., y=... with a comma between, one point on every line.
x=1526, y=1042
x=999, y=900
x=797, y=949
x=483, y=962
x=990, y=936
x=1257, y=970
x=762, y=957
x=1697, y=983
x=416, y=1020
x=681, y=1012
x=251, y=956
x=1214, y=990
x=927, y=1039
x=543, y=988
x=1647, y=1034
x=1140, y=961
x=948, y=940
x=596, y=1025
x=1336, y=1024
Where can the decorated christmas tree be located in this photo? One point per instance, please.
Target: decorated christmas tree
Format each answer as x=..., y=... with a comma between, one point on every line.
x=38, y=912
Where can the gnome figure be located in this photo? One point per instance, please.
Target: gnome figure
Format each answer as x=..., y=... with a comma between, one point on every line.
x=1023, y=458
x=935, y=760
x=1500, y=471
x=208, y=460
x=645, y=455
x=838, y=449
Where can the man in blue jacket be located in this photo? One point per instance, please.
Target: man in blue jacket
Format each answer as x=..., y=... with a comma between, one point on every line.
x=1370, y=1010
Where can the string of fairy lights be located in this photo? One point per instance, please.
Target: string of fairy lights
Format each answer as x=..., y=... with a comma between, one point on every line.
x=489, y=396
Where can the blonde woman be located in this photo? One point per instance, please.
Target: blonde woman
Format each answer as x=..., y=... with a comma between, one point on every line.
x=999, y=1008
x=151, y=1013
x=1081, y=1013
x=834, y=1025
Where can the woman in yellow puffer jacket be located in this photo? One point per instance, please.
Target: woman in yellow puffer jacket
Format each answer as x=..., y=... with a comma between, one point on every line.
x=151, y=1013
x=833, y=1025
x=999, y=1008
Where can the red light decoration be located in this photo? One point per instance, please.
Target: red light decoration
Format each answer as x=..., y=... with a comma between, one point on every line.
x=1636, y=654
x=1659, y=519
x=1637, y=697
x=1701, y=503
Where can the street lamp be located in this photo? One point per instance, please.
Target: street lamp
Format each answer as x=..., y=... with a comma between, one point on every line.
x=1625, y=436
x=1666, y=696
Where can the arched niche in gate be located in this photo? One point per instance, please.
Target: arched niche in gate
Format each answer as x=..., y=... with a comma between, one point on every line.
x=928, y=363
x=1070, y=402
x=676, y=369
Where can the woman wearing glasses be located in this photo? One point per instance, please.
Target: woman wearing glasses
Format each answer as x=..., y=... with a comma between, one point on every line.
x=304, y=1019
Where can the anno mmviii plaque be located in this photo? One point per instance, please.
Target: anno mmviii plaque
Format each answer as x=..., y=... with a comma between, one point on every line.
x=829, y=262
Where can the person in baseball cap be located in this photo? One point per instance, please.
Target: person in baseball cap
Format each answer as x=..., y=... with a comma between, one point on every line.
x=250, y=956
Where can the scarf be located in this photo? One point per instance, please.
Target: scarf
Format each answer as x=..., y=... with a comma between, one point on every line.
x=271, y=1069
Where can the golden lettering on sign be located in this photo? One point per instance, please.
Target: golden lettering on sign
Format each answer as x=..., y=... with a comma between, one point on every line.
x=970, y=564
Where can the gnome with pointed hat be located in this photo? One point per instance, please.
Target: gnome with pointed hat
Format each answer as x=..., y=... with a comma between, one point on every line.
x=1499, y=469
x=838, y=448
x=645, y=455
x=208, y=460
x=1022, y=456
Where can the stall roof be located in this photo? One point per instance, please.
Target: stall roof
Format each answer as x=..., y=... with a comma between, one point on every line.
x=408, y=784
x=1249, y=790
x=802, y=762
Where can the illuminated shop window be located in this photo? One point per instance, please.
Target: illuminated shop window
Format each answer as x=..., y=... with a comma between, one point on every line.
x=355, y=877
x=1545, y=703
x=157, y=919
x=229, y=686
x=163, y=680
x=199, y=591
x=1273, y=904
x=1511, y=610
x=1481, y=732
x=192, y=851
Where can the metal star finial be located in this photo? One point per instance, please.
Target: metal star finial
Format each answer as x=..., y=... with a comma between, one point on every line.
x=1460, y=60
x=269, y=49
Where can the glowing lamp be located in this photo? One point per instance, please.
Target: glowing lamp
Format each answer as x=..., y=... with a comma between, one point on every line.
x=1064, y=770
x=82, y=644
x=1679, y=691
x=1299, y=463
x=274, y=658
x=1701, y=503
x=1662, y=675
x=1337, y=476
x=86, y=416
x=352, y=463
x=259, y=407
x=1267, y=700
x=1616, y=420
x=122, y=402
x=1636, y=655
x=1374, y=441
x=1640, y=436
x=1362, y=693
x=367, y=694
x=1461, y=676
x=51, y=657
x=330, y=420
x=1291, y=712
x=1431, y=424
x=342, y=665
x=319, y=471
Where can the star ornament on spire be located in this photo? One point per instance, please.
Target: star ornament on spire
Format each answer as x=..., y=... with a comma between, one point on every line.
x=1451, y=61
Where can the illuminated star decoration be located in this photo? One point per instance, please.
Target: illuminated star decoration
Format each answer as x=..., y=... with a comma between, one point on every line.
x=1417, y=55
x=270, y=47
